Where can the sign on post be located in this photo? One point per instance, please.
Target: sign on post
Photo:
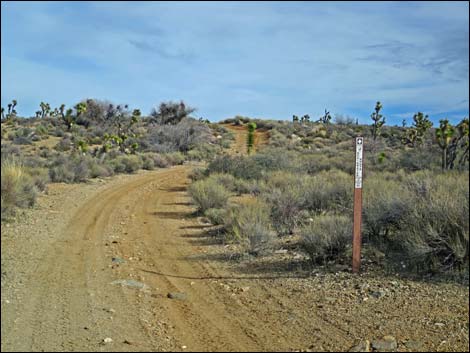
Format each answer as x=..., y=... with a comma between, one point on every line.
x=356, y=260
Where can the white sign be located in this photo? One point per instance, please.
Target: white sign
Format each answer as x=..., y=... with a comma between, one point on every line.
x=359, y=153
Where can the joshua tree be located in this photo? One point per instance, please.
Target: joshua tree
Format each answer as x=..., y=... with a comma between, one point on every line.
x=80, y=108
x=251, y=137
x=45, y=109
x=305, y=118
x=458, y=144
x=379, y=120
x=415, y=135
x=3, y=113
x=444, y=134
x=295, y=118
x=325, y=119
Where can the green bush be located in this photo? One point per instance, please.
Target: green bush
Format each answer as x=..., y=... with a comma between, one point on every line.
x=327, y=237
x=208, y=194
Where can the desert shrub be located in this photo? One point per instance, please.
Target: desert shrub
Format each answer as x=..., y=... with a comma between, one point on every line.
x=181, y=137
x=42, y=130
x=326, y=237
x=249, y=224
x=61, y=173
x=80, y=170
x=420, y=222
x=418, y=159
x=59, y=131
x=23, y=140
x=238, y=166
x=202, y=152
x=226, y=180
x=216, y=215
x=197, y=174
x=17, y=188
x=40, y=177
x=69, y=169
x=126, y=164
x=174, y=158
x=10, y=151
x=285, y=193
x=329, y=190
x=208, y=193
x=436, y=236
x=148, y=163
x=386, y=207
x=45, y=152
x=160, y=161
x=64, y=145
x=99, y=170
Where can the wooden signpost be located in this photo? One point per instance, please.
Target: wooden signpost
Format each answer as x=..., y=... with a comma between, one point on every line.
x=356, y=260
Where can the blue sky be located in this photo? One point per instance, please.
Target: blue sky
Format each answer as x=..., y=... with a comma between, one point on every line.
x=257, y=59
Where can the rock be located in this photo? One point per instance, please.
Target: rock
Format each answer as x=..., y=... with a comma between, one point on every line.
x=183, y=347
x=177, y=296
x=282, y=251
x=386, y=344
x=127, y=342
x=377, y=294
x=130, y=283
x=118, y=260
x=107, y=340
x=415, y=346
x=363, y=346
x=439, y=324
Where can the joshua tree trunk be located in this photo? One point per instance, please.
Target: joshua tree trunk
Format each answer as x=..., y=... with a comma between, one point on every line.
x=444, y=158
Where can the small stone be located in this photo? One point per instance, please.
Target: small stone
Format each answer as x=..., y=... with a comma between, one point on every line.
x=363, y=346
x=177, y=296
x=282, y=251
x=130, y=283
x=108, y=340
x=415, y=346
x=127, y=342
x=439, y=324
x=183, y=347
x=386, y=344
x=118, y=260
x=377, y=294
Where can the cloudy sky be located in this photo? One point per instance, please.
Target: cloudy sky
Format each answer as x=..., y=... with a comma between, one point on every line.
x=258, y=59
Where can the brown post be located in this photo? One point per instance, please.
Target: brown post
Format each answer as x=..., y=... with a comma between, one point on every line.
x=356, y=260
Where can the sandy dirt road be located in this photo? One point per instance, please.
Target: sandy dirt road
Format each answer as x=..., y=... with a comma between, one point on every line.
x=146, y=221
